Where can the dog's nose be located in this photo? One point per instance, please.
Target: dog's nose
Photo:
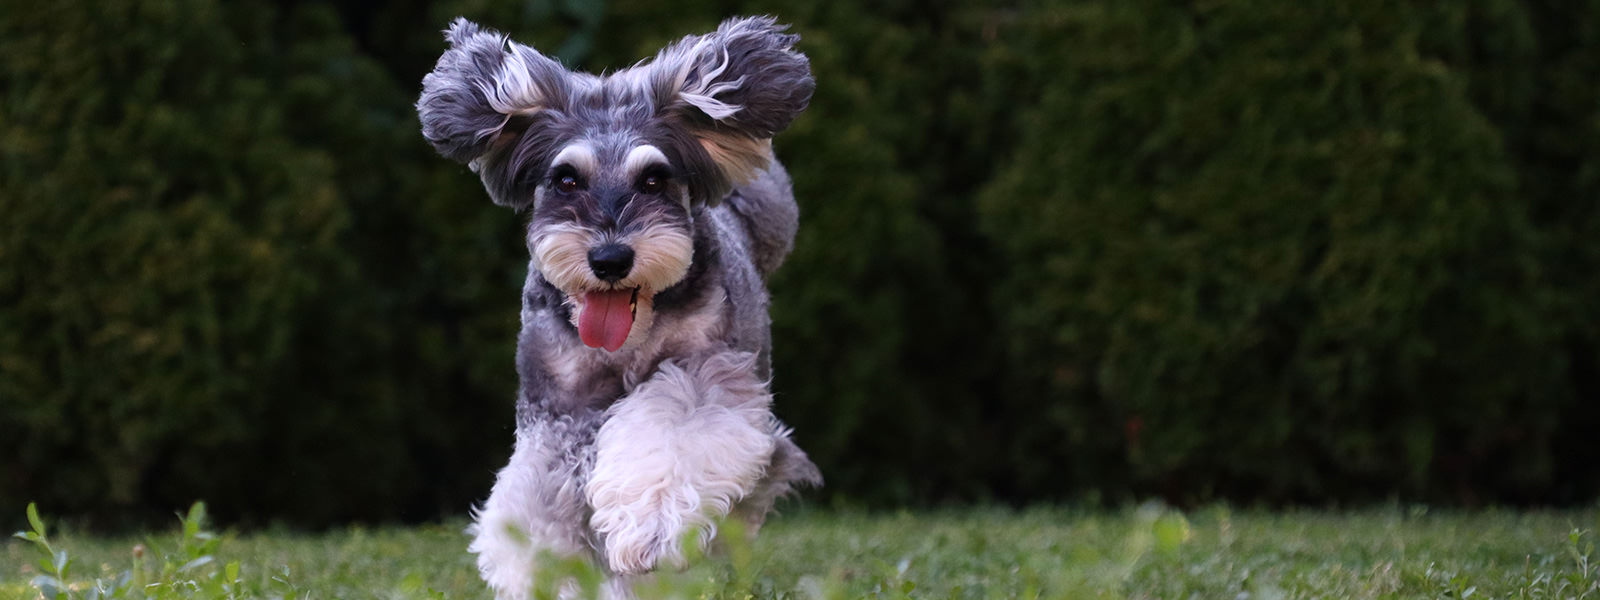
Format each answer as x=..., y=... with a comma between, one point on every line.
x=611, y=261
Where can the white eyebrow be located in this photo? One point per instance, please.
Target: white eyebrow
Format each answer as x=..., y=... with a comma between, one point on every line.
x=641, y=157
x=577, y=156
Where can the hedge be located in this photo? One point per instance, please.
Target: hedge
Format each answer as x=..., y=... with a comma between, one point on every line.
x=1254, y=251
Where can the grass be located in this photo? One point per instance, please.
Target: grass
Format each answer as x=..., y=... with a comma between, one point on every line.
x=985, y=553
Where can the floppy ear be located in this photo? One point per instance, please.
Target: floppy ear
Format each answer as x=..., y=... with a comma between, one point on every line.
x=733, y=90
x=482, y=95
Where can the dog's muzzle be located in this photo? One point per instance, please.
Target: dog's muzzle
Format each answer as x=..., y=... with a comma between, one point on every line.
x=606, y=317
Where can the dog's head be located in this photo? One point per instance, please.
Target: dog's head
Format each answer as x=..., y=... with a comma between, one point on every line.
x=613, y=167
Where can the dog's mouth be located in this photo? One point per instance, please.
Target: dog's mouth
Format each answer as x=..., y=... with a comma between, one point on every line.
x=605, y=317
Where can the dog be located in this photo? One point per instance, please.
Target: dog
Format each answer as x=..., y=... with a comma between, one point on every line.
x=656, y=213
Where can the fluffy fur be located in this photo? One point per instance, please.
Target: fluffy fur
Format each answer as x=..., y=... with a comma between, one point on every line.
x=682, y=448
x=654, y=204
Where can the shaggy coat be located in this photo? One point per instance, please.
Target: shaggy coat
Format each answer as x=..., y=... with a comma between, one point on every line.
x=656, y=214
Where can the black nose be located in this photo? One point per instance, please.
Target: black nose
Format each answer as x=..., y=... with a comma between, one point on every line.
x=611, y=261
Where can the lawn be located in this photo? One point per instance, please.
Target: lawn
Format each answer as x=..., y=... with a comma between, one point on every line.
x=986, y=553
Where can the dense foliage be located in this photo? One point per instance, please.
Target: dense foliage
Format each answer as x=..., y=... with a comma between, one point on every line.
x=1255, y=250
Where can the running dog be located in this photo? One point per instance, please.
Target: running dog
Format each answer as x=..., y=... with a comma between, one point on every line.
x=656, y=213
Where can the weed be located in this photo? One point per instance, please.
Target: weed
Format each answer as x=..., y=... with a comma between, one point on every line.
x=187, y=571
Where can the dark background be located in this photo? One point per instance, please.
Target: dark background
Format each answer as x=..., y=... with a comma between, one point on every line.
x=1256, y=251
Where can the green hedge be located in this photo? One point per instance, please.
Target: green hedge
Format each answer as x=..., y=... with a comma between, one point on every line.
x=223, y=274
x=1258, y=251
x=1283, y=257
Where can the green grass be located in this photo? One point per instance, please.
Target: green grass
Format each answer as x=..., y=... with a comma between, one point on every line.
x=1050, y=553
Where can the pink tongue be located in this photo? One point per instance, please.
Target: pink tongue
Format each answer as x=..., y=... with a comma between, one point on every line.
x=605, y=319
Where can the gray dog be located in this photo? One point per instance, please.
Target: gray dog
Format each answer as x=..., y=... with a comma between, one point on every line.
x=657, y=212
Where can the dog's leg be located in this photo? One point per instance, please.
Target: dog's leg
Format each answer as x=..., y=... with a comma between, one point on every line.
x=789, y=470
x=675, y=455
x=536, y=509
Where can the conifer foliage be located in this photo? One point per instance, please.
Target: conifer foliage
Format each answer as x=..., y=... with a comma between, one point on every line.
x=1263, y=251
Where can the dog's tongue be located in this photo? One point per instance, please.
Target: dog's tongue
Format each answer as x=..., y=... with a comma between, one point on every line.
x=606, y=319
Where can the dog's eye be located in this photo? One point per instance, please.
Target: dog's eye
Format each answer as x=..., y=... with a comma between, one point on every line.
x=567, y=183
x=652, y=183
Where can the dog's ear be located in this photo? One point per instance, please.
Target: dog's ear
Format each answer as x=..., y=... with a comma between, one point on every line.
x=484, y=93
x=732, y=90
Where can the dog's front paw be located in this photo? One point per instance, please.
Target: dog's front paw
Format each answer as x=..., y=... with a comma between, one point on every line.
x=642, y=532
x=674, y=456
